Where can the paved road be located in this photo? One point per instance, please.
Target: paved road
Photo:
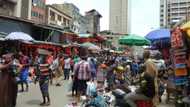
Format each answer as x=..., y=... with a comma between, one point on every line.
x=59, y=96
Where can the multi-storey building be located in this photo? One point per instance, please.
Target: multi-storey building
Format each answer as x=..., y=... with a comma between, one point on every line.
x=173, y=11
x=78, y=23
x=15, y=8
x=119, y=20
x=27, y=9
x=38, y=12
x=93, y=21
x=57, y=17
x=72, y=11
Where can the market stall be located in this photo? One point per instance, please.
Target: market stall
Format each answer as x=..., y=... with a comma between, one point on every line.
x=180, y=54
x=160, y=40
x=68, y=37
x=31, y=47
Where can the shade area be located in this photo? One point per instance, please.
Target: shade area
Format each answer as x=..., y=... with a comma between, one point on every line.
x=158, y=34
x=134, y=40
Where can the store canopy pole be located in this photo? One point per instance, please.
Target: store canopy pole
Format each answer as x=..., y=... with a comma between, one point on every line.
x=50, y=35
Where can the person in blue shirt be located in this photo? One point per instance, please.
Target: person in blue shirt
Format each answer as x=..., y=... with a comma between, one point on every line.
x=97, y=101
x=134, y=68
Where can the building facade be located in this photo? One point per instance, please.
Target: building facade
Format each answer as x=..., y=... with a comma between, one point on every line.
x=10, y=7
x=38, y=11
x=93, y=21
x=78, y=23
x=82, y=24
x=73, y=11
x=56, y=17
x=173, y=11
x=119, y=21
x=27, y=9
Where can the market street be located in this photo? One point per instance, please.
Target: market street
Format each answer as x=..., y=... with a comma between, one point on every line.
x=33, y=97
x=59, y=96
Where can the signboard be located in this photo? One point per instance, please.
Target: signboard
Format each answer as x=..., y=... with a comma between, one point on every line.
x=176, y=38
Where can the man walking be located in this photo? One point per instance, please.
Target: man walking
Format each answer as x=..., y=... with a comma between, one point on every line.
x=82, y=73
x=67, y=67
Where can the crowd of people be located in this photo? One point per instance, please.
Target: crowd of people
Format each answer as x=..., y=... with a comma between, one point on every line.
x=88, y=73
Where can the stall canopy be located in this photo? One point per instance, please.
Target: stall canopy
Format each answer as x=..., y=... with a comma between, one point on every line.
x=134, y=40
x=85, y=35
x=88, y=44
x=90, y=38
x=158, y=35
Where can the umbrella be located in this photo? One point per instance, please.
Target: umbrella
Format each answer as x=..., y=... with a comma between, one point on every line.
x=186, y=26
x=19, y=36
x=158, y=34
x=91, y=46
x=134, y=40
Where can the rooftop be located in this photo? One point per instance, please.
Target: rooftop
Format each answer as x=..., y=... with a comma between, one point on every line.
x=93, y=11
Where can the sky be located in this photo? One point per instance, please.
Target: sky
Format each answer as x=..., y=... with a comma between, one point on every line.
x=144, y=13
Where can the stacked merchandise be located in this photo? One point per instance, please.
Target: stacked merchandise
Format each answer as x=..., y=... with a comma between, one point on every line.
x=179, y=56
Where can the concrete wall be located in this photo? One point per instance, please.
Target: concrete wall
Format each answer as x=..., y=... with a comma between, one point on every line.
x=26, y=9
x=7, y=8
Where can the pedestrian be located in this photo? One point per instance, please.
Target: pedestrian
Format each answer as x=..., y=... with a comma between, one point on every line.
x=50, y=61
x=56, y=68
x=74, y=85
x=44, y=77
x=82, y=72
x=24, y=73
x=101, y=76
x=72, y=64
x=93, y=66
x=67, y=67
x=8, y=84
x=110, y=73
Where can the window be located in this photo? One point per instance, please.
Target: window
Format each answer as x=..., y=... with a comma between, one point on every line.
x=52, y=15
x=34, y=14
x=59, y=17
x=41, y=16
x=64, y=21
x=117, y=20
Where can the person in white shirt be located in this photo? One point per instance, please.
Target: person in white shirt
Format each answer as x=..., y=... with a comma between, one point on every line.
x=67, y=68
